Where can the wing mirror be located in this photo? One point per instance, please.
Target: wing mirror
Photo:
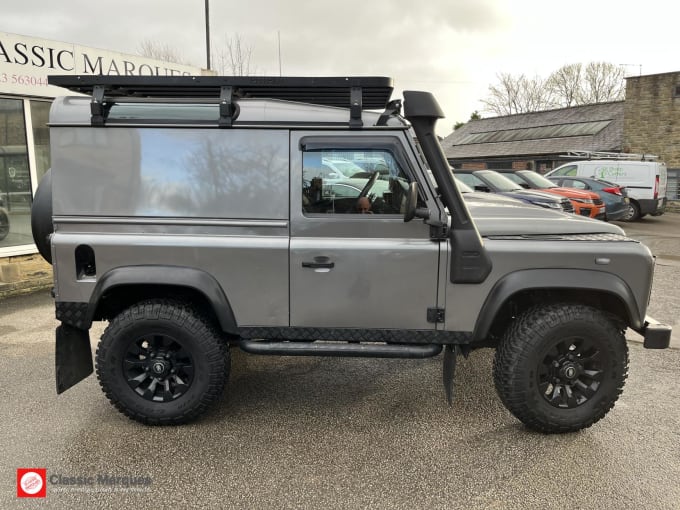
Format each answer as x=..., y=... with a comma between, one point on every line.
x=411, y=210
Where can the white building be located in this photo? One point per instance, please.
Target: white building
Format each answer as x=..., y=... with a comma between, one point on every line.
x=25, y=98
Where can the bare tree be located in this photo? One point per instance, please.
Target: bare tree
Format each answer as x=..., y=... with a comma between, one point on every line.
x=518, y=94
x=160, y=51
x=566, y=83
x=234, y=57
x=570, y=85
x=602, y=82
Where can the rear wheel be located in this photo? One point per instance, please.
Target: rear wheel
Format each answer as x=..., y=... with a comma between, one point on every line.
x=161, y=363
x=633, y=213
x=561, y=368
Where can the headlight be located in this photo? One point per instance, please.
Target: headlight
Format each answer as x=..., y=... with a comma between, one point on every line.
x=584, y=200
x=551, y=205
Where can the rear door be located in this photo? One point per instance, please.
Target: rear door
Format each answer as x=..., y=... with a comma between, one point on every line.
x=354, y=263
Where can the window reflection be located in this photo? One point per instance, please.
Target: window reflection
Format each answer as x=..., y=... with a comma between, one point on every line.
x=15, y=180
x=355, y=182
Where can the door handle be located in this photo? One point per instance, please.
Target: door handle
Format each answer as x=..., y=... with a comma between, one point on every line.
x=320, y=262
x=317, y=265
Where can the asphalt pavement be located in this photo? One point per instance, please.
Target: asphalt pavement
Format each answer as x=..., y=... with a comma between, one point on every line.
x=337, y=433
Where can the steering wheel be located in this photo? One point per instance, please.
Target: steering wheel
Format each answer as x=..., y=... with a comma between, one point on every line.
x=369, y=184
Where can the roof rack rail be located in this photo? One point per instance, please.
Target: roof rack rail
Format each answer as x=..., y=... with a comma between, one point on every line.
x=610, y=155
x=355, y=93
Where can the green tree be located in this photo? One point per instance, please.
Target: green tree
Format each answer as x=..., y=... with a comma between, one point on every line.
x=473, y=116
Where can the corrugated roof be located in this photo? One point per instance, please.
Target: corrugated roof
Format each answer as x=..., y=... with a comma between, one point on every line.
x=589, y=127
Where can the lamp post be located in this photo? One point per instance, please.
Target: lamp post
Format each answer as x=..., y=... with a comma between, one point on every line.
x=207, y=33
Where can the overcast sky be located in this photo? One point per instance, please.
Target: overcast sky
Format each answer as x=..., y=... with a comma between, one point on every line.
x=454, y=48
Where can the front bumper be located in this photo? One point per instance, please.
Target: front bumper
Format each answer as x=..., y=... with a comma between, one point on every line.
x=656, y=335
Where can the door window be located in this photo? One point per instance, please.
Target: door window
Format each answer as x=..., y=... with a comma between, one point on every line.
x=353, y=182
x=565, y=170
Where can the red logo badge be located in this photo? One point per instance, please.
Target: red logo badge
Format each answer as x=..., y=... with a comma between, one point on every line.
x=31, y=482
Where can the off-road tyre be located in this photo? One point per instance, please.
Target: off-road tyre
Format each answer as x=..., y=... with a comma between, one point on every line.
x=177, y=338
x=538, y=392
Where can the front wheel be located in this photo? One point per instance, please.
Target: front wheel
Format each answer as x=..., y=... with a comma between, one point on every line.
x=161, y=363
x=561, y=368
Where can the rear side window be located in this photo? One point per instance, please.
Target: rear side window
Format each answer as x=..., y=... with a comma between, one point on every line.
x=571, y=183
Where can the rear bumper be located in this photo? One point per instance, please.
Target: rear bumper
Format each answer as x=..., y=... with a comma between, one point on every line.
x=656, y=335
x=653, y=206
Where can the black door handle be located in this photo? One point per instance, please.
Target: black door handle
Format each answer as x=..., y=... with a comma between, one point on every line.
x=316, y=265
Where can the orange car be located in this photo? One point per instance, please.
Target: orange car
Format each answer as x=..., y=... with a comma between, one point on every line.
x=586, y=203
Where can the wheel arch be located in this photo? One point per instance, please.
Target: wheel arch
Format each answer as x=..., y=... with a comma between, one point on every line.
x=519, y=290
x=123, y=286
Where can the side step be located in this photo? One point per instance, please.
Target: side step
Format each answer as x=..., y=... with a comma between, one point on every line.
x=332, y=349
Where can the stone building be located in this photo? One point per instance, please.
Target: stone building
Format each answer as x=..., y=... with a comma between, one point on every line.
x=652, y=121
x=647, y=122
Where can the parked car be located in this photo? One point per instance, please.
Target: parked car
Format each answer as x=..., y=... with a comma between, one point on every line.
x=491, y=181
x=4, y=220
x=615, y=197
x=586, y=203
x=330, y=170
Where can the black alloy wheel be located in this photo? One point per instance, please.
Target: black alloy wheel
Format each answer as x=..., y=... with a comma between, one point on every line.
x=570, y=373
x=158, y=368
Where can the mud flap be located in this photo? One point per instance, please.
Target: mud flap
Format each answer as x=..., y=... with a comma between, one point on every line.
x=73, y=357
x=449, y=371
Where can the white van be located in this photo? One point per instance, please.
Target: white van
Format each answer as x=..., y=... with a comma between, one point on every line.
x=644, y=180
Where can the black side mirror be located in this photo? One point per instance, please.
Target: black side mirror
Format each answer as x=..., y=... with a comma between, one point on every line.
x=410, y=210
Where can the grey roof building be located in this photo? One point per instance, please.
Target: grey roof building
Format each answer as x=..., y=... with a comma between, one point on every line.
x=539, y=138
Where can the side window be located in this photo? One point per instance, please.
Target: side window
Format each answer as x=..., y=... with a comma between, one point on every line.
x=516, y=179
x=571, y=183
x=470, y=180
x=352, y=182
x=569, y=170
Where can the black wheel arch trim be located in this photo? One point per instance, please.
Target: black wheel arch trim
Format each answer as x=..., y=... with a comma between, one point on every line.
x=171, y=276
x=554, y=279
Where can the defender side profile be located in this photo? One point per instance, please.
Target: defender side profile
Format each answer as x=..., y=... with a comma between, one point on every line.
x=310, y=217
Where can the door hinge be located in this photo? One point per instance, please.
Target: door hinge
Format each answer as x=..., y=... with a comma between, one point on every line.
x=435, y=315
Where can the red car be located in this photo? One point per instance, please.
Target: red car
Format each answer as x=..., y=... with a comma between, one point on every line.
x=586, y=203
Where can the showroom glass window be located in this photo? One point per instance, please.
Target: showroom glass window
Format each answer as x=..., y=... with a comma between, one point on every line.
x=15, y=179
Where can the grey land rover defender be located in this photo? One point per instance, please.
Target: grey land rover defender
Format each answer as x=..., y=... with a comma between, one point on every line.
x=310, y=217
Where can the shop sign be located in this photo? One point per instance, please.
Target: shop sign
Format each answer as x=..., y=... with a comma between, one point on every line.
x=25, y=63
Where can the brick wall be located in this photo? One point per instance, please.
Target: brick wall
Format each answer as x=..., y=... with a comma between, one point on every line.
x=24, y=273
x=652, y=116
x=474, y=166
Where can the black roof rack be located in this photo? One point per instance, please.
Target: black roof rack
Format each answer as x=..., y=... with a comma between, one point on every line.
x=356, y=93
